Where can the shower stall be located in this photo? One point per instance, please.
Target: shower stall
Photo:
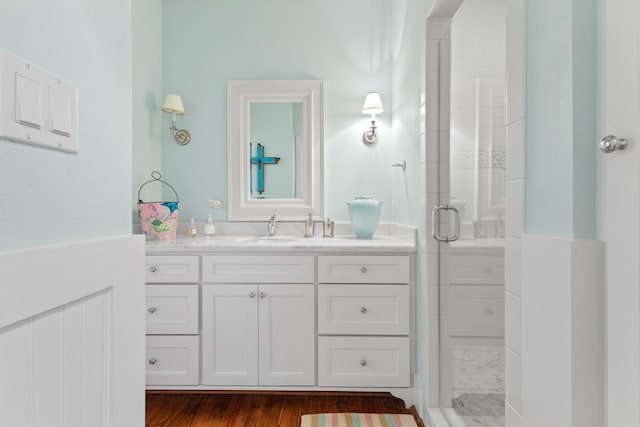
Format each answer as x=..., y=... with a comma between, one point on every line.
x=465, y=144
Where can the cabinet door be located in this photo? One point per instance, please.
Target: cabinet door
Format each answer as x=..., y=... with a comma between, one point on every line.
x=287, y=334
x=172, y=268
x=172, y=309
x=229, y=334
x=364, y=361
x=364, y=269
x=363, y=309
x=257, y=269
x=172, y=360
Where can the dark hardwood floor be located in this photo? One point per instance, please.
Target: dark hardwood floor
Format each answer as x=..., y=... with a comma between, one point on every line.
x=249, y=409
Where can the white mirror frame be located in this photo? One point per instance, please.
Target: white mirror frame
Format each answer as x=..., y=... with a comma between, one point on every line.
x=240, y=95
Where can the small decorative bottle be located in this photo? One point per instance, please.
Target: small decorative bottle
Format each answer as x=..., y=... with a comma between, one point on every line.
x=328, y=228
x=192, y=231
x=209, y=227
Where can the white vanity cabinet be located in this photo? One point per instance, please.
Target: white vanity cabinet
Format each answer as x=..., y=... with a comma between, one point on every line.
x=172, y=320
x=258, y=327
x=313, y=314
x=364, y=321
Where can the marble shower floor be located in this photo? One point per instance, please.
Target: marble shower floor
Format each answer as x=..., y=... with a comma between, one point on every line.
x=478, y=386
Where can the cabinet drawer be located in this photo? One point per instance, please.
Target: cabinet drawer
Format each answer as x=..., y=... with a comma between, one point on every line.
x=476, y=311
x=172, y=309
x=257, y=269
x=172, y=360
x=363, y=309
x=172, y=269
x=364, y=361
x=482, y=269
x=363, y=269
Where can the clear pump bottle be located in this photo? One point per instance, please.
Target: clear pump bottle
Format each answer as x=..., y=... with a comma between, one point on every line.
x=209, y=227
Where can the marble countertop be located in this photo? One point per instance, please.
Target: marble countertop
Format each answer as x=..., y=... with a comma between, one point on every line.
x=297, y=244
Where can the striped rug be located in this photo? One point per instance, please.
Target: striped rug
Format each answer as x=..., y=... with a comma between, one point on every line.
x=358, y=420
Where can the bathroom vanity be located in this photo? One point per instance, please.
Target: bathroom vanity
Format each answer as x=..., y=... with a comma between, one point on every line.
x=281, y=313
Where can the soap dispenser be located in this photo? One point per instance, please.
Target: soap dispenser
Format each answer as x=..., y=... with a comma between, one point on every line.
x=209, y=228
x=309, y=226
x=192, y=231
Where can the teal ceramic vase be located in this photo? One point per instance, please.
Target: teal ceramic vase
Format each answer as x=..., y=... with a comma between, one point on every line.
x=364, y=214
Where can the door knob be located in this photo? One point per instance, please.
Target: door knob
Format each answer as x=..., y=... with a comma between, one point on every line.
x=611, y=143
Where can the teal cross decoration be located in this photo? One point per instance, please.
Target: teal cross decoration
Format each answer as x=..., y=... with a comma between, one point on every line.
x=261, y=160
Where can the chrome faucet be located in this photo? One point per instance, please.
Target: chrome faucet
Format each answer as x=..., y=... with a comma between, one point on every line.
x=272, y=226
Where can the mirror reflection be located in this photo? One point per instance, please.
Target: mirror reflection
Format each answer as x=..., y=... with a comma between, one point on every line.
x=275, y=138
x=276, y=150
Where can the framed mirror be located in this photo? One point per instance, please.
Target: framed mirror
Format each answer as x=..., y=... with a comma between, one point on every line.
x=275, y=135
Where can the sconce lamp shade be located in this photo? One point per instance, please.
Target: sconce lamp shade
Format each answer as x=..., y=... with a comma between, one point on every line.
x=173, y=104
x=372, y=104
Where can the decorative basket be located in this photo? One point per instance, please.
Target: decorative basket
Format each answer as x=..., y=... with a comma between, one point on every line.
x=158, y=220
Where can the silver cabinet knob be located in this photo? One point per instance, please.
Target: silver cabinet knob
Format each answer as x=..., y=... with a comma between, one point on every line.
x=153, y=269
x=364, y=269
x=611, y=143
x=153, y=361
x=363, y=362
x=152, y=310
x=252, y=294
x=262, y=295
x=363, y=310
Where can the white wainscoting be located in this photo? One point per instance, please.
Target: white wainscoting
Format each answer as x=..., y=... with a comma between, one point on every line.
x=72, y=334
x=562, y=332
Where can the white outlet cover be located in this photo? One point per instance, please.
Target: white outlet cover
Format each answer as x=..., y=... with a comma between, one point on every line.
x=37, y=107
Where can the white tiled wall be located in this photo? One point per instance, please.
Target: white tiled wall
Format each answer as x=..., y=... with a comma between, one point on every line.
x=515, y=82
x=477, y=112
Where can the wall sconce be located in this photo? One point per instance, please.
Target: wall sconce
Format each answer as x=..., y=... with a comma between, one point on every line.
x=173, y=104
x=372, y=105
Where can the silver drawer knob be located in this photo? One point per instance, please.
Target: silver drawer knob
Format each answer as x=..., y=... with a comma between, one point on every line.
x=363, y=362
x=153, y=269
x=153, y=361
x=363, y=310
x=262, y=295
x=252, y=294
x=364, y=269
x=152, y=310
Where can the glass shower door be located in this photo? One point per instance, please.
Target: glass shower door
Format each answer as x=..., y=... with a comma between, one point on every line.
x=470, y=219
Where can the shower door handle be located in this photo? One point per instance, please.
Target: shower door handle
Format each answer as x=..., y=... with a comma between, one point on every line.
x=435, y=232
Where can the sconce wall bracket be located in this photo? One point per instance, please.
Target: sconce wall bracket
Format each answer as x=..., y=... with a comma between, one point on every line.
x=182, y=137
x=370, y=136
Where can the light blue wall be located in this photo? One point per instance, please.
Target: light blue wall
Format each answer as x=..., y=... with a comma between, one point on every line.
x=561, y=140
x=48, y=196
x=149, y=123
x=408, y=55
x=347, y=44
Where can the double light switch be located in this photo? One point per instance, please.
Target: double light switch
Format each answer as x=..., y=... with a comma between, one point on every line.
x=36, y=107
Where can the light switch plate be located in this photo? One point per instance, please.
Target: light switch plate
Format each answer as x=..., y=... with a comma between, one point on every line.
x=37, y=107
